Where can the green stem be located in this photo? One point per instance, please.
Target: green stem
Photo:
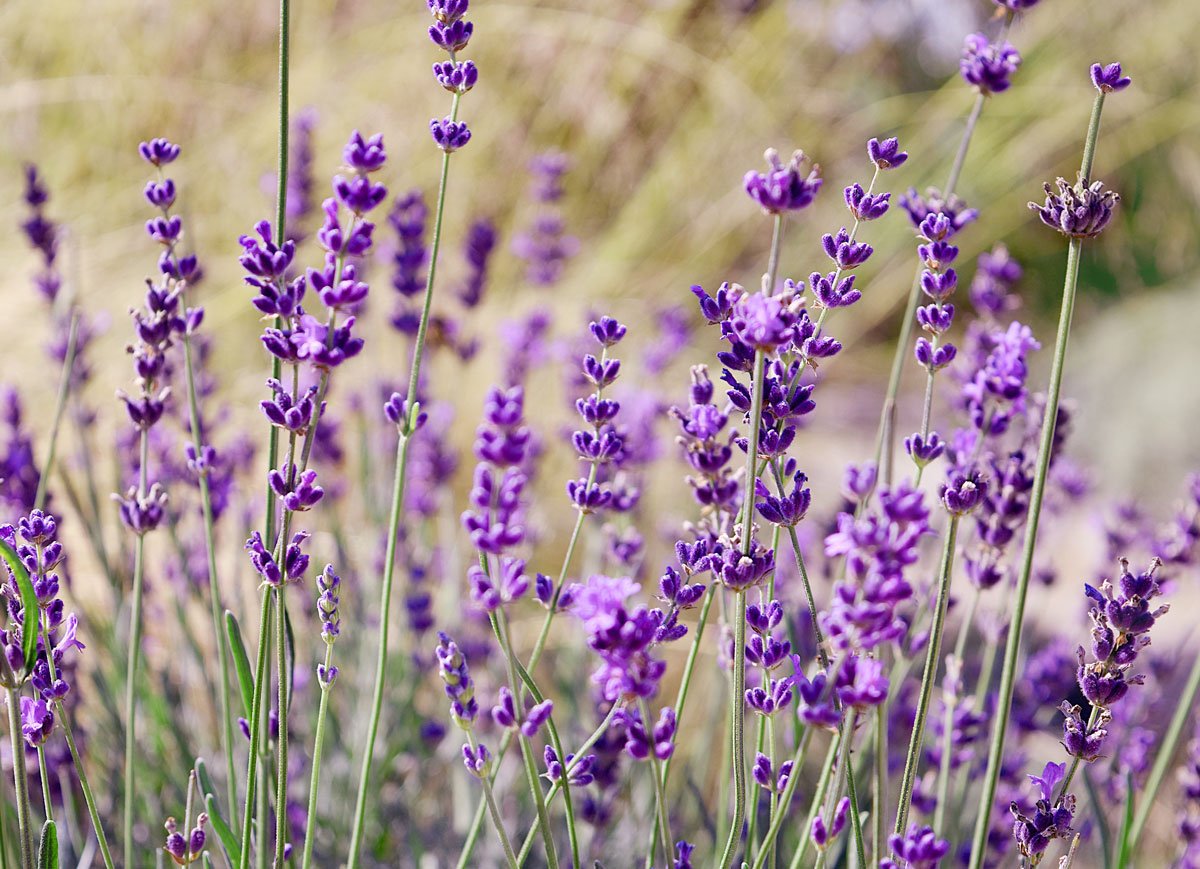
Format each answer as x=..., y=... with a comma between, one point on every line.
x=500, y=627
x=256, y=717
x=1101, y=822
x=20, y=780
x=817, y=800
x=489, y=799
x=878, y=841
x=562, y=786
x=385, y=607
x=43, y=776
x=398, y=486
x=852, y=793
x=131, y=675
x=310, y=829
x=1008, y=672
x=64, y=389
x=210, y=551
x=1166, y=753
x=88, y=797
x=689, y=667
x=281, y=772
x=660, y=795
x=737, y=702
x=933, y=653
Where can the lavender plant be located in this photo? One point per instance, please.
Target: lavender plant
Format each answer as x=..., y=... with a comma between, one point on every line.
x=697, y=651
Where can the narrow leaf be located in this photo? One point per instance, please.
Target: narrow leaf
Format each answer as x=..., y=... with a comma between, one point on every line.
x=48, y=847
x=29, y=603
x=228, y=840
x=206, y=783
x=241, y=662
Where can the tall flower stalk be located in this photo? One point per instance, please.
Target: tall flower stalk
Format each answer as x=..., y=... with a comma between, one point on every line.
x=451, y=32
x=1079, y=212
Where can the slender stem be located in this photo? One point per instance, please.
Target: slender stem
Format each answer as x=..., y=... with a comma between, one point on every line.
x=499, y=626
x=822, y=655
x=385, y=607
x=880, y=781
x=737, y=703
x=281, y=743
x=949, y=701
x=310, y=829
x=964, y=143
x=210, y=551
x=256, y=716
x=1008, y=672
x=64, y=389
x=562, y=786
x=88, y=797
x=817, y=800
x=685, y=682
x=660, y=796
x=398, y=487
x=131, y=675
x=1166, y=753
x=933, y=653
x=852, y=793
x=1101, y=822
x=44, y=778
x=490, y=799
x=20, y=780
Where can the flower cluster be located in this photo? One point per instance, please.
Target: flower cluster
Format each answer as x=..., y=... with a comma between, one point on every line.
x=784, y=186
x=495, y=521
x=878, y=549
x=988, y=66
x=451, y=32
x=600, y=444
x=184, y=850
x=1079, y=210
x=545, y=246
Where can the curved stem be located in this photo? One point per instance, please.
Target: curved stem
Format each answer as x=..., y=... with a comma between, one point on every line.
x=1166, y=753
x=64, y=390
x=20, y=779
x=933, y=653
x=737, y=702
x=489, y=799
x=1008, y=672
x=131, y=675
x=88, y=797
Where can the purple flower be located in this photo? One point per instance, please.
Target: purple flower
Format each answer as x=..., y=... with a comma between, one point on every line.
x=1077, y=211
x=920, y=848
x=456, y=76
x=142, y=513
x=364, y=155
x=920, y=207
x=845, y=252
x=659, y=741
x=886, y=154
x=763, y=321
x=961, y=493
x=577, y=774
x=328, y=602
x=1050, y=819
x=456, y=678
x=866, y=206
x=783, y=187
x=509, y=583
x=822, y=836
x=988, y=66
x=448, y=134
x=37, y=721
x=158, y=152
x=1108, y=78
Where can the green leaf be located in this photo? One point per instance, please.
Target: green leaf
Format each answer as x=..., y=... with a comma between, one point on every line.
x=228, y=840
x=48, y=847
x=206, y=783
x=207, y=862
x=241, y=662
x=29, y=602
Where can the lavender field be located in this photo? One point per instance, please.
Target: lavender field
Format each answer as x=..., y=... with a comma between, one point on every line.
x=472, y=434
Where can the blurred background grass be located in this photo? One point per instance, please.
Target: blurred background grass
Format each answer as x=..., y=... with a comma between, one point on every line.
x=662, y=106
